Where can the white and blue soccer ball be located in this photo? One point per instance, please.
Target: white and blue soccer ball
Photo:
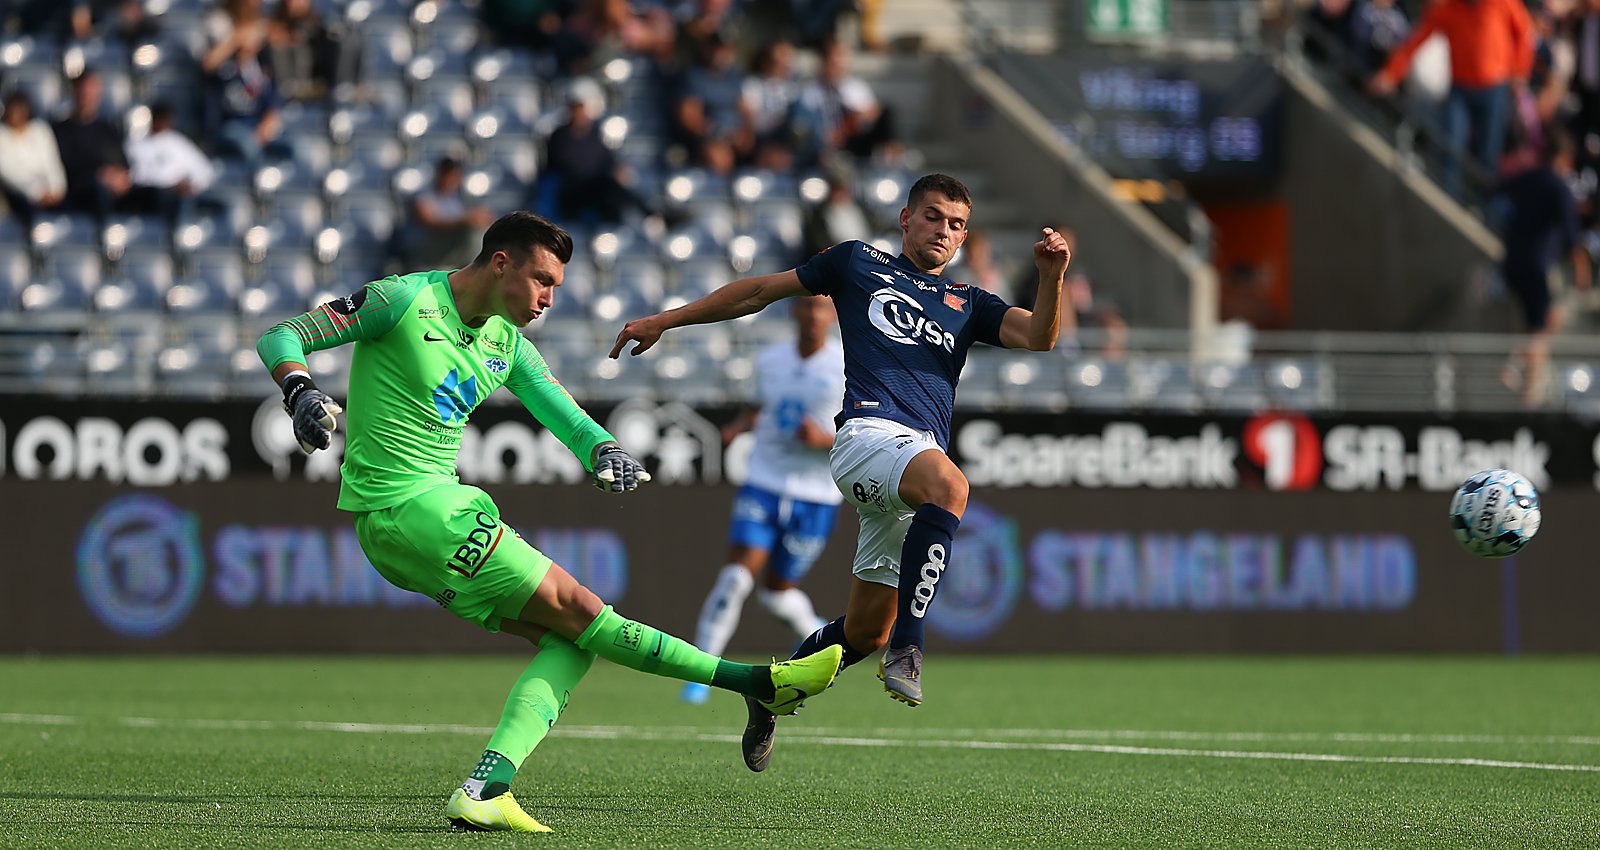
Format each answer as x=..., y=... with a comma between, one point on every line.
x=1495, y=513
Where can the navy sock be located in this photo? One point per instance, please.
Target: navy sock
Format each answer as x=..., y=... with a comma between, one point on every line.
x=922, y=562
x=829, y=635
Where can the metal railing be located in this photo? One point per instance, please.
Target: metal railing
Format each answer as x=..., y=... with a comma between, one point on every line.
x=1232, y=369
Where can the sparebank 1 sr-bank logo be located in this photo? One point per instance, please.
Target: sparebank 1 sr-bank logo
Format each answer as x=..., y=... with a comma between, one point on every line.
x=140, y=566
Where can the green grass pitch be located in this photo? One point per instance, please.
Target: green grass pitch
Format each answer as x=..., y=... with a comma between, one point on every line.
x=1050, y=751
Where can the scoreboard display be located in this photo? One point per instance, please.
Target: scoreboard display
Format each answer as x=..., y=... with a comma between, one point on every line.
x=1192, y=120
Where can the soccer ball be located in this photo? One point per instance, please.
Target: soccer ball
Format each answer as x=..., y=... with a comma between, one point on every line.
x=1495, y=513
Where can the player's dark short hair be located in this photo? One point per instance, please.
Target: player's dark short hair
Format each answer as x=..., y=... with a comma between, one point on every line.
x=944, y=184
x=518, y=233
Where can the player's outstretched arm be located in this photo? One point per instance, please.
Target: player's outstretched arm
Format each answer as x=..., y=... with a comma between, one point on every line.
x=740, y=298
x=532, y=383
x=368, y=312
x=1039, y=328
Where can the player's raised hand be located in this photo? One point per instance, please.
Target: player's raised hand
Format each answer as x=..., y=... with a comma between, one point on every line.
x=313, y=414
x=643, y=331
x=1051, y=253
x=616, y=471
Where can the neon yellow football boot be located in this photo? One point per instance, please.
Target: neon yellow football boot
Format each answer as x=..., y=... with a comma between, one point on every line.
x=499, y=814
x=794, y=681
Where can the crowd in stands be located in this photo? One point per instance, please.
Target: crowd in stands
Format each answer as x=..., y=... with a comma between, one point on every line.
x=175, y=107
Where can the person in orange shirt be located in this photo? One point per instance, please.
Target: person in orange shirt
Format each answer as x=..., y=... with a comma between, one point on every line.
x=1491, y=51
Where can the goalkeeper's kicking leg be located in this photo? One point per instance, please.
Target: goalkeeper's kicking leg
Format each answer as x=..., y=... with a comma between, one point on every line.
x=571, y=626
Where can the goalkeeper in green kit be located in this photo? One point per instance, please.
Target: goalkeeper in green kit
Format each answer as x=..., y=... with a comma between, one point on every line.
x=429, y=348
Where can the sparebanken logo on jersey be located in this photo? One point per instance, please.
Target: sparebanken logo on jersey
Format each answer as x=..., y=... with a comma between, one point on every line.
x=901, y=319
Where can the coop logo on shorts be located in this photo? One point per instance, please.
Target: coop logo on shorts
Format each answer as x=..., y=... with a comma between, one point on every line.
x=140, y=566
x=980, y=586
x=900, y=318
x=496, y=365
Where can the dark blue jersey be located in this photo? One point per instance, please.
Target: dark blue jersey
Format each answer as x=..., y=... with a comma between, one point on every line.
x=905, y=332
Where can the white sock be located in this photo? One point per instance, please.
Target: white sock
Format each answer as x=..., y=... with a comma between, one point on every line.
x=793, y=607
x=720, y=615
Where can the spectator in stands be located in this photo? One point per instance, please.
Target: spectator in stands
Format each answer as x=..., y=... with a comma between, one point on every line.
x=816, y=22
x=837, y=219
x=249, y=110
x=1376, y=29
x=767, y=103
x=1491, y=52
x=699, y=21
x=31, y=176
x=602, y=30
x=1586, y=79
x=710, y=120
x=1246, y=296
x=1543, y=220
x=1092, y=313
x=838, y=112
x=534, y=24
x=442, y=231
x=91, y=151
x=167, y=169
x=82, y=20
x=231, y=27
x=306, y=58
x=589, y=183
x=977, y=267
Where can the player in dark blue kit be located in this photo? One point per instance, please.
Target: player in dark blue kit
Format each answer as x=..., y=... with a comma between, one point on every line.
x=906, y=330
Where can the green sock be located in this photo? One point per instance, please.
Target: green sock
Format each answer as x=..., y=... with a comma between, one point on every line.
x=622, y=641
x=532, y=708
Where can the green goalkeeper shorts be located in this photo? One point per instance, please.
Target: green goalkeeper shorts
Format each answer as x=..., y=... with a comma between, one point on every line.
x=449, y=544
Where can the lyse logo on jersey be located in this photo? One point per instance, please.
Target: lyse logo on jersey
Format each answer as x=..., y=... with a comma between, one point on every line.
x=900, y=318
x=927, y=581
x=479, y=545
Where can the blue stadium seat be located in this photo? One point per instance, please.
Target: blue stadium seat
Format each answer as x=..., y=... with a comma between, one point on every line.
x=52, y=296
x=1163, y=384
x=1233, y=388
x=516, y=155
x=373, y=216
x=1094, y=383
x=111, y=369
x=640, y=277
x=701, y=276
x=517, y=97
x=387, y=48
x=56, y=368
x=15, y=274
x=297, y=217
x=209, y=285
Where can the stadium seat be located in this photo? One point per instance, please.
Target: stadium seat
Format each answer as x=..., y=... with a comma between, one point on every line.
x=16, y=272
x=700, y=276
x=1234, y=388
x=1093, y=383
x=77, y=268
x=56, y=368
x=373, y=216
x=642, y=277
x=213, y=278
x=517, y=155
x=387, y=49
x=297, y=217
x=518, y=98
x=1163, y=384
x=611, y=244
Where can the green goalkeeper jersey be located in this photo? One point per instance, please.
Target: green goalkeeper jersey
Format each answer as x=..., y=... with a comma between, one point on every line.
x=417, y=374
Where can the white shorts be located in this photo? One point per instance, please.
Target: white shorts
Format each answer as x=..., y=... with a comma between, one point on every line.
x=868, y=458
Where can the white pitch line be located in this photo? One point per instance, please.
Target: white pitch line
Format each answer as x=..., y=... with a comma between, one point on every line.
x=645, y=733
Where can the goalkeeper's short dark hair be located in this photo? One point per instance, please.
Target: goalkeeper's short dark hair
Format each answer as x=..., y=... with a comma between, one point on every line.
x=518, y=233
x=944, y=184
